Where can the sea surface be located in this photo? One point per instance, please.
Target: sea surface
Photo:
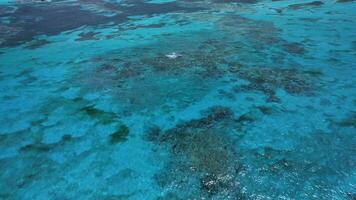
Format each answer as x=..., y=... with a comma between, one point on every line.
x=185, y=99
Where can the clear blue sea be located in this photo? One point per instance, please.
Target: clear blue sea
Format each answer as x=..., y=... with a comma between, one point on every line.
x=177, y=100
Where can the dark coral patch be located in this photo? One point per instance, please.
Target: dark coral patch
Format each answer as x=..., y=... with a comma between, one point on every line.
x=203, y=159
x=213, y=115
x=66, y=138
x=103, y=117
x=294, y=48
x=37, y=44
x=120, y=135
x=87, y=36
x=350, y=121
x=30, y=21
x=236, y=1
x=106, y=76
x=143, y=8
x=153, y=134
x=267, y=80
x=35, y=148
x=306, y=5
x=39, y=147
x=345, y=1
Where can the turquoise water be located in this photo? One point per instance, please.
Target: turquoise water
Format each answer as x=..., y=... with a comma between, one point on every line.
x=164, y=99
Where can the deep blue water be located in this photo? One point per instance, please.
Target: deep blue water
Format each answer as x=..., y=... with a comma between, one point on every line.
x=164, y=99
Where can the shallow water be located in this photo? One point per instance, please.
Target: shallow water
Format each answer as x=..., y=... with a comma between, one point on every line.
x=164, y=99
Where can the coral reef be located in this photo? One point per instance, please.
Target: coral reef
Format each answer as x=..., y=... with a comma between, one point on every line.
x=204, y=153
x=168, y=99
x=267, y=80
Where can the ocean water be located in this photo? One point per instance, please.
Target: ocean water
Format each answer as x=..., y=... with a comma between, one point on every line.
x=185, y=99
